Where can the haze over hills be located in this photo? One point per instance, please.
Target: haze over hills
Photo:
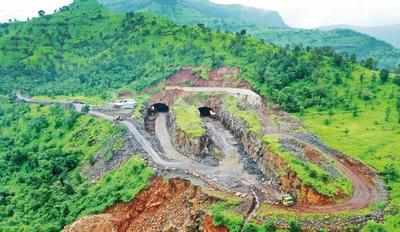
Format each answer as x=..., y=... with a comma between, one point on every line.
x=267, y=25
x=201, y=11
x=342, y=40
x=389, y=33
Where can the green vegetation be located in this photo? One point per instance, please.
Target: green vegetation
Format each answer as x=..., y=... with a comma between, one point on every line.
x=188, y=119
x=392, y=223
x=309, y=173
x=201, y=12
x=265, y=25
x=250, y=117
x=370, y=132
x=341, y=40
x=41, y=151
x=86, y=51
x=223, y=214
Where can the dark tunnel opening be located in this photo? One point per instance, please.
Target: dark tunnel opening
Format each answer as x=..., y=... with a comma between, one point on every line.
x=206, y=112
x=159, y=108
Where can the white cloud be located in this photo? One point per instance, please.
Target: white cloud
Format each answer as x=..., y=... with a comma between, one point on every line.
x=22, y=9
x=314, y=13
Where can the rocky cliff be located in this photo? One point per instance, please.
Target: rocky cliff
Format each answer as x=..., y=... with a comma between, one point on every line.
x=193, y=147
x=274, y=168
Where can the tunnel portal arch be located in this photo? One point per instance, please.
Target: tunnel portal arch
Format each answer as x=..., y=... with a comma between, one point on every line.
x=206, y=111
x=159, y=107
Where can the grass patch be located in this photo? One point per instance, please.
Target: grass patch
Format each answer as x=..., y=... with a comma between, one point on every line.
x=250, y=117
x=92, y=100
x=223, y=214
x=309, y=173
x=188, y=119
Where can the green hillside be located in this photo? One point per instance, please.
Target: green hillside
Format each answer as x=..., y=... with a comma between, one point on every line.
x=200, y=11
x=41, y=152
x=342, y=40
x=390, y=33
x=86, y=50
x=267, y=25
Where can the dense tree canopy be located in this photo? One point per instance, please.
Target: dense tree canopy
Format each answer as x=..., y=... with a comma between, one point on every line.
x=86, y=50
x=41, y=150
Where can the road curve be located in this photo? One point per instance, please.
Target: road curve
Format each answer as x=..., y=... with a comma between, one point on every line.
x=366, y=190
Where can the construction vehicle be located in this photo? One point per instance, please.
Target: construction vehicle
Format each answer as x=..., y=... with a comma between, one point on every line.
x=288, y=200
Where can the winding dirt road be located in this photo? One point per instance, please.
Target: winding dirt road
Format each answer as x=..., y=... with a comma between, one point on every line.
x=367, y=189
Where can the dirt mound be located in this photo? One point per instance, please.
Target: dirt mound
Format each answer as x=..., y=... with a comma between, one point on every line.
x=98, y=223
x=173, y=205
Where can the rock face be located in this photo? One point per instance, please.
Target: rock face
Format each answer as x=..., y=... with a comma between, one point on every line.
x=273, y=167
x=173, y=205
x=192, y=147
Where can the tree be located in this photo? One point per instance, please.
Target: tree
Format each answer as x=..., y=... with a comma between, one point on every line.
x=362, y=78
x=41, y=13
x=384, y=75
x=388, y=112
x=294, y=227
x=396, y=79
x=370, y=63
x=250, y=228
x=398, y=108
x=269, y=227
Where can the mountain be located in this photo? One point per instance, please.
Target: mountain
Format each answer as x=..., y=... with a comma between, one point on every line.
x=342, y=40
x=267, y=25
x=201, y=11
x=389, y=34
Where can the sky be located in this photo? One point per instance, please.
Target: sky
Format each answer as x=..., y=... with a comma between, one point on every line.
x=296, y=13
x=22, y=9
x=315, y=13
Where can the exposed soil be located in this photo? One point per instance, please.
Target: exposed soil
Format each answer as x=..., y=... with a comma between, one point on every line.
x=177, y=205
x=173, y=205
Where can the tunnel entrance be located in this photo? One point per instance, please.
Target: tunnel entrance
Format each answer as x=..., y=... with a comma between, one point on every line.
x=206, y=112
x=159, y=108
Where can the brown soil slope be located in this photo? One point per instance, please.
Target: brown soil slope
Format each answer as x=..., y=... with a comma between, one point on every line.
x=173, y=205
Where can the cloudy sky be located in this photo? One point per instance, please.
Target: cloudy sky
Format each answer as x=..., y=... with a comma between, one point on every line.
x=21, y=9
x=314, y=13
x=297, y=13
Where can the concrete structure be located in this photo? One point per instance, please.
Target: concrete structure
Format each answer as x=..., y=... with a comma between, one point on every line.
x=124, y=104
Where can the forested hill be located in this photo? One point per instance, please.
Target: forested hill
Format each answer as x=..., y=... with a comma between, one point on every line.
x=389, y=34
x=201, y=11
x=87, y=50
x=267, y=25
x=342, y=40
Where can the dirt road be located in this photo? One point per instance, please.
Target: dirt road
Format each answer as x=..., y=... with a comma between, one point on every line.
x=366, y=189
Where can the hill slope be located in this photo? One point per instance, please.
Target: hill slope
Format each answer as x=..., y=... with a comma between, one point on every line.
x=342, y=40
x=390, y=34
x=200, y=11
x=267, y=25
x=87, y=50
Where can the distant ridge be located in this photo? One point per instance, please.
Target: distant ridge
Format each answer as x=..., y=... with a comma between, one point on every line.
x=389, y=33
x=201, y=11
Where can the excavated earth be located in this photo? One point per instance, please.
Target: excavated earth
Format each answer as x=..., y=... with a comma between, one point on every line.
x=177, y=205
x=166, y=205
